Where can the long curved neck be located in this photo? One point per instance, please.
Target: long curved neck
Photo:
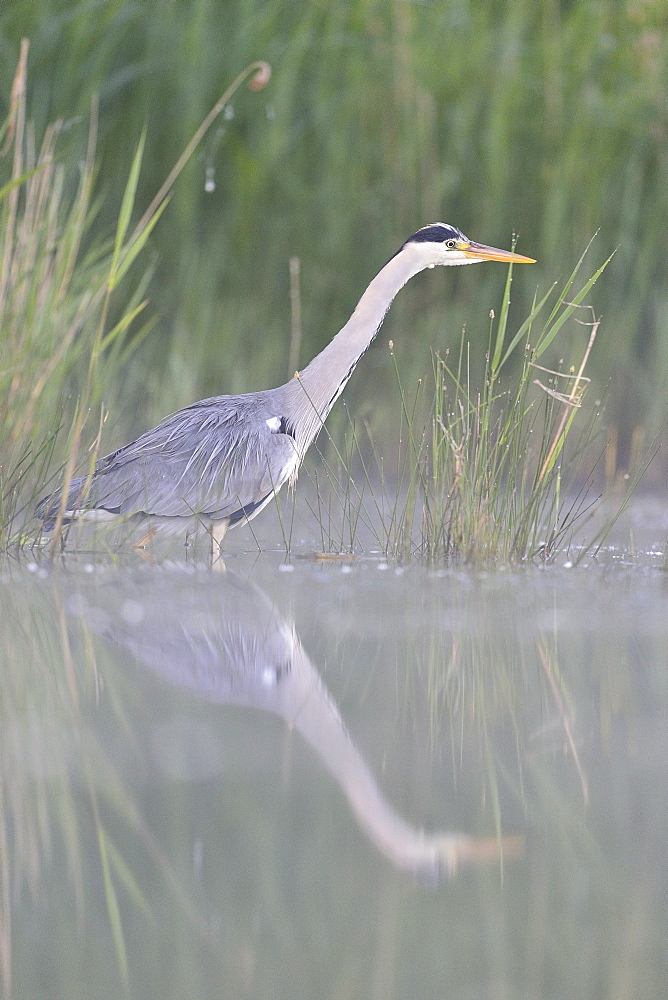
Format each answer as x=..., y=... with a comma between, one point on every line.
x=322, y=381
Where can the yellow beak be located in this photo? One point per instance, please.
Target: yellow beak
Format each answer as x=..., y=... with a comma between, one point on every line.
x=478, y=251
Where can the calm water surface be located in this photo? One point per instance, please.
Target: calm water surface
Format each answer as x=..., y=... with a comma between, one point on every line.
x=334, y=780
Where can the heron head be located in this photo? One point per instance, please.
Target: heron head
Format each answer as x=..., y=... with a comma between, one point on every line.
x=440, y=243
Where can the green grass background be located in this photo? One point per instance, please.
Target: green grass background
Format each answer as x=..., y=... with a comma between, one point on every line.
x=548, y=119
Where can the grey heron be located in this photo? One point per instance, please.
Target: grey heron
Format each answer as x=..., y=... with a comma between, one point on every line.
x=219, y=462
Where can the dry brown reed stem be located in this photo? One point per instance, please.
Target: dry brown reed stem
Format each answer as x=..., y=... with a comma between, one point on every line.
x=15, y=132
x=65, y=343
x=37, y=189
x=18, y=87
x=82, y=406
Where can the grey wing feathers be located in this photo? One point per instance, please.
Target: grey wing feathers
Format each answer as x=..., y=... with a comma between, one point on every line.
x=217, y=458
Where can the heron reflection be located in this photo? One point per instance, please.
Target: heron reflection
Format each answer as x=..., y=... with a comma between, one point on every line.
x=226, y=642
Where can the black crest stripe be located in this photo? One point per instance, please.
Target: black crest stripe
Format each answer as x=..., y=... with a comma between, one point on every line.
x=435, y=234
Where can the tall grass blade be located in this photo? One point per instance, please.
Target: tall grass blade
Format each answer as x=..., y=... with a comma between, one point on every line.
x=17, y=182
x=550, y=332
x=524, y=330
x=113, y=910
x=503, y=323
x=122, y=325
x=135, y=246
x=127, y=205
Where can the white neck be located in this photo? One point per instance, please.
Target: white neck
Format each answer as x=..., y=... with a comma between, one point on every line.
x=323, y=380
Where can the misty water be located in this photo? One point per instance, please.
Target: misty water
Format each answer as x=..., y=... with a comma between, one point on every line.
x=339, y=778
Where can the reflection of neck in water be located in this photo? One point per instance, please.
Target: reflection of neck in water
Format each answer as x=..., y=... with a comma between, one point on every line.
x=227, y=643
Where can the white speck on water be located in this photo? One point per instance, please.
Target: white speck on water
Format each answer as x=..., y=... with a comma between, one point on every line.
x=32, y=567
x=286, y=568
x=346, y=569
x=399, y=571
x=568, y=565
x=228, y=113
x=383, y=566
x=89, y=568
x=210, y=180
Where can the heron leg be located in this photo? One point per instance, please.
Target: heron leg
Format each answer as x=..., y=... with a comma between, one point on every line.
x=145, y=539
x=218, y=530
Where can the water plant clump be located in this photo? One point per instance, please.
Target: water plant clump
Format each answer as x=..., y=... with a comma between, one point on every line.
x=506, y=461
x=502, y=466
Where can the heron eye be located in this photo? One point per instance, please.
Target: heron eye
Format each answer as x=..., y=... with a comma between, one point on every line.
x=451, y=244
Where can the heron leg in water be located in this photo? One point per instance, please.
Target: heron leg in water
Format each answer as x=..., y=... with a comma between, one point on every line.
x=218, y=529
x=145, y=539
